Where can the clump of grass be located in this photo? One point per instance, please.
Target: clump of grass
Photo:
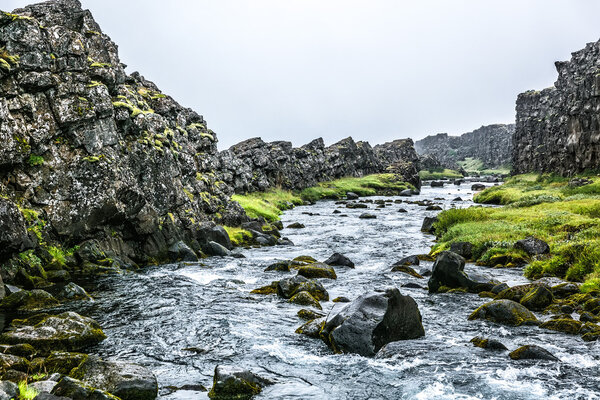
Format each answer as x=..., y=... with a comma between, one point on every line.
x=35, y=160
x=475, y=165
x=268, y=205
x=439, y=173
x=26, y=392
x=238, y=236
x=546, y=207
x=369, y=185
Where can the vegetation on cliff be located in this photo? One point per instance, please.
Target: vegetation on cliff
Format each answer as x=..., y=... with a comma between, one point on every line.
x=564, y=213
x=270, y=204
x=476, y=166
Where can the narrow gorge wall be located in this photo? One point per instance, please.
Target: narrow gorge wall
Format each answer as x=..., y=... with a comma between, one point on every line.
x=558, y=128
x=255, y=165
x=492, y=144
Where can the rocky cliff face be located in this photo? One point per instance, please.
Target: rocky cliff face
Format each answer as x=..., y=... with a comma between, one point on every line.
x=89, y=152
x=255, y=165
x=492, y=144
x=558, y=129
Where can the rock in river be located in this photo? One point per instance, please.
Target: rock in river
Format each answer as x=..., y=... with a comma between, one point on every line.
x=506, y=312
x=371, y=321
x=532, y=352
x=287, y=288
x=428, y=224
x=317, y=270
x=448, y=270
x=67, y=331
x=236, y=383
x=339, y=259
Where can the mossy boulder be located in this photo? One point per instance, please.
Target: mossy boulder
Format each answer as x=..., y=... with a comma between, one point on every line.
x=563, y=325
x=505, y=312
x=279, y=266
x=269, y=289
x=305, y=259
x=592, y=304
x=516, y=293
x=68, y=331
x=125, y=380
x=407, y=270
x=75, y=389
x=532, y=352
x=9, y=361
x=564, y=290
x=312, y=328
x=317, y=270
x=21, y=350
x=307, y=315
x=305, y=299
x=448, y=271
x=537, y=298
x=490, y=344
x=287, y=288
x=28, y=300
x=63, y=361
x=233, y=383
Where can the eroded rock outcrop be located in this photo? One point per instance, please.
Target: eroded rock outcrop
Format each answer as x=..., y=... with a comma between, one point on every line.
x=557, y=128
x=492, y=144
x=89, y=151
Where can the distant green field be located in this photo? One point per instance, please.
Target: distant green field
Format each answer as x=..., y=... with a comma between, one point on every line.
x=427, y=175
x=475, y=165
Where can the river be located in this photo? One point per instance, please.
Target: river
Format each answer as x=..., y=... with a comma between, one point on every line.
x=152, y=316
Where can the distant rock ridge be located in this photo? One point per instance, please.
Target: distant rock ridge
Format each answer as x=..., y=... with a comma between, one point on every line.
x=492, y=144
x=255, y=165
x=558, y=128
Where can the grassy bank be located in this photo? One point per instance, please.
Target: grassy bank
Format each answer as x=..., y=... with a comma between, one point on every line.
x=270, y=204
x=441, y=173
x=475, y=166
x=547, y=207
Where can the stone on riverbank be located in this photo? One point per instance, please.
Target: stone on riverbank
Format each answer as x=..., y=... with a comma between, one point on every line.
x=234, y=383
x=532, y=246
x=505, y=312
x=75, y=389
x=532, y=352
x=26, y=300
x=371, y=321
x=180, y=251
x=67, y=331
x=125, y=380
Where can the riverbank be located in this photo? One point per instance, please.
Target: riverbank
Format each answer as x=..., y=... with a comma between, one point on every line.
x=560, y=211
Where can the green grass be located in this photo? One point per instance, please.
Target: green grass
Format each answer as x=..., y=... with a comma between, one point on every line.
x=26, y=392
x=35, y=160
x=369, y=185
x=475, y=165
x=270, y=204
x=238, y=236
x=433, y=174
x=567, y=218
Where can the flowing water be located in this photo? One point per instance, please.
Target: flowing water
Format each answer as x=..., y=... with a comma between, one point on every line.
x=153, y=316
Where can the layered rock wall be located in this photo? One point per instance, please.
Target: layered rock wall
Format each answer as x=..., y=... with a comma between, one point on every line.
x=254, y=165
x=558, y=129
x=492, y=144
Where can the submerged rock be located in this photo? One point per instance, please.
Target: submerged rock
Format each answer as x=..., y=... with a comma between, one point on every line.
x=367, y=216
x=490, y=344
x=409, y=260
x=230, y=383
x=506, y=312
x=67, y=331
x=125, y=380
x=407, y=270
x=532, y=352
x=371, y=321
x=338, y=259
x=296, y=225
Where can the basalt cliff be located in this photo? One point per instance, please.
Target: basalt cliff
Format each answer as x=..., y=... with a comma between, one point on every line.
x=492, y=144
x=101, y=162
x=558, y=128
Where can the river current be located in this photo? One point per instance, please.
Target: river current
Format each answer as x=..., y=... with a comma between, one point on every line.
x=181, y=320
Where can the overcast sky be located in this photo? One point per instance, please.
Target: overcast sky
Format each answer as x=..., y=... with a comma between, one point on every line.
x=375, y=70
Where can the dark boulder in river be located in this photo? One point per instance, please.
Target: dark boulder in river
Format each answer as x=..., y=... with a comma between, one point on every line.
x=371, y=321
x=448, y=271
x=236, y=383
x=287, y=288
x=428, y=224
x=532, y=352
x=339, y=259
x=505, y=312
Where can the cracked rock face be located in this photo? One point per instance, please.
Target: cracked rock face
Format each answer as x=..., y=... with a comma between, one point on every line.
x=557, y=128
x=96, y=152
x=492, y=144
